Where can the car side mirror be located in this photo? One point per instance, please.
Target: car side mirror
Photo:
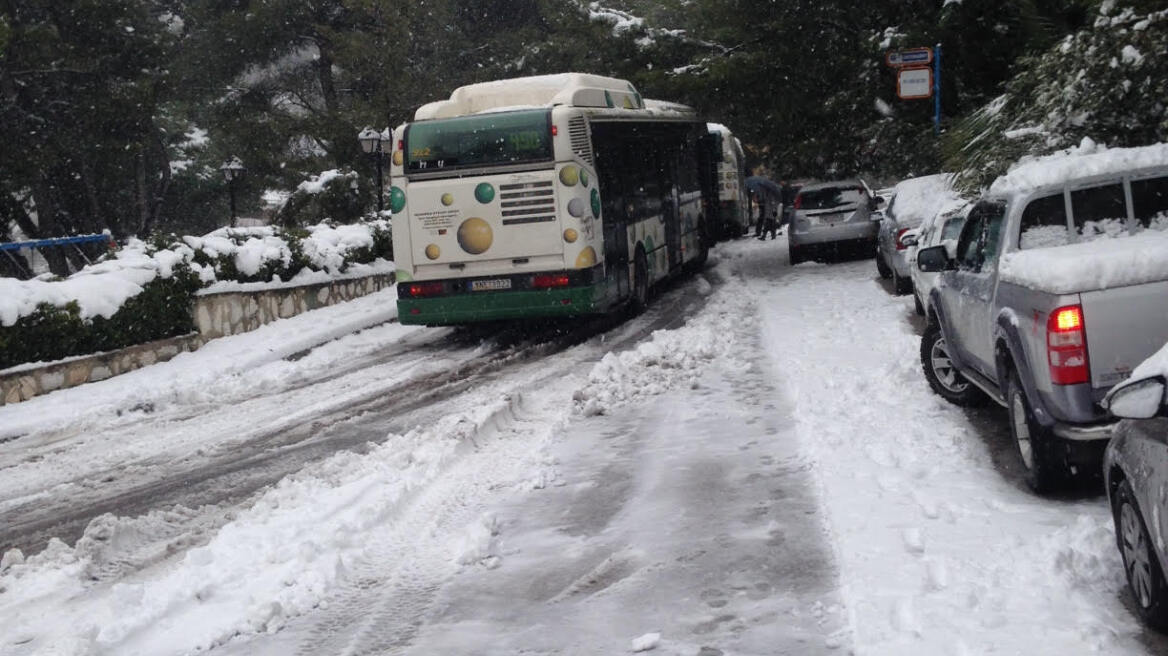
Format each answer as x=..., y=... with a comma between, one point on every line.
x=1141, y=399
x=933, y=259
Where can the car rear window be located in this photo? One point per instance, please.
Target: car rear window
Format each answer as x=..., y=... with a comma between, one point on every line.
x=1044, y=223
x=827, y=198
x=1150, y=202
x=1099, y=211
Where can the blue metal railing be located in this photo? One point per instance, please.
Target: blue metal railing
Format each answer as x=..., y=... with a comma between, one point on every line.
x=55, y=241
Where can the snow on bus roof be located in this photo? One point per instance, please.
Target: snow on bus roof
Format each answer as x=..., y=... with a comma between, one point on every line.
x=573, y=89
x=1086, y=160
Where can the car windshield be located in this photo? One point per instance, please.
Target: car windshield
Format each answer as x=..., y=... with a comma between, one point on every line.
x=952, y=229
x=831, y=197
x=482, y=140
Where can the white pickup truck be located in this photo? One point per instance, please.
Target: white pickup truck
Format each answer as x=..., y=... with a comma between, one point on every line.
x=1056, y=289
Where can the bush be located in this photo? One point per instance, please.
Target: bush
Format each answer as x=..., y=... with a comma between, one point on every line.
x=162, y=310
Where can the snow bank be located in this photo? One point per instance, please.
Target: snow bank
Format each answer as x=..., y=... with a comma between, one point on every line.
x=101, y=289
x=918, y=199
x=1101, y=263
x=1085, y=160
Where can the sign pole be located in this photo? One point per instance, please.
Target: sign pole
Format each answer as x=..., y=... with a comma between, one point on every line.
x=937, y=90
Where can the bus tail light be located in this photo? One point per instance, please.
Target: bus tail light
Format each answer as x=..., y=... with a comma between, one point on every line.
x=549, y=280
x=555, y=130
x=419, y=289
x=1066, y=342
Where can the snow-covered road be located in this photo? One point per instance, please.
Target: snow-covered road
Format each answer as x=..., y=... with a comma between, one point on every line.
x=755, y=466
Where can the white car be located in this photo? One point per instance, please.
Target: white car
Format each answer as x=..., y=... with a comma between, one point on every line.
x=943, y=228
x=914, y=201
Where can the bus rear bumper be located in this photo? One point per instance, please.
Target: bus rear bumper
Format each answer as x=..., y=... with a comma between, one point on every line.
x=460, y=309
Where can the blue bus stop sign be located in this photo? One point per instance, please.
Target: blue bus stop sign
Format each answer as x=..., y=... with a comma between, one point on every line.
x=911, y=57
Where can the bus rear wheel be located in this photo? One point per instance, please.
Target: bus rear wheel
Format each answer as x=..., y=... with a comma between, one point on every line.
x=640, y=297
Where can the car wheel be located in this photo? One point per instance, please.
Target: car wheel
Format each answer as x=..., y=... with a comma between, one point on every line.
x=1145, y=578
x=942, y=375
x=917, y=305
x=1035, y=443
x=794, y=254
x=882, y=267
x=900, y=284
x=640, y=297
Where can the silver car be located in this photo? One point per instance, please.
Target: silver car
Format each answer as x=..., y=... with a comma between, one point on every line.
x=914, y=201
x=1136, y=470
x=832, y=218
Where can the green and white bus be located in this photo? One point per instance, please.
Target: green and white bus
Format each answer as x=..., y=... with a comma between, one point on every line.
x=557, y=195
x=733, y=203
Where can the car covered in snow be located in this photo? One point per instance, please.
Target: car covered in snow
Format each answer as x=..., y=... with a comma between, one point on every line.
x=1057, y=289
x=944, y=228
x=830, y=218
x=914, y=201
x=1136, y=471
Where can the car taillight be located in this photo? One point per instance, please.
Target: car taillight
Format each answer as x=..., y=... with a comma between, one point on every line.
x=548, y=280
x=1066, y=344
x=798, y=201
x=899, y=234
x=425, y=289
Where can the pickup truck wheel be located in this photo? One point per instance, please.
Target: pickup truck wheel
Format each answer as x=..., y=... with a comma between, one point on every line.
x=882, y=267
x=1145, y=579
x=942, y=375
x=1035, y=443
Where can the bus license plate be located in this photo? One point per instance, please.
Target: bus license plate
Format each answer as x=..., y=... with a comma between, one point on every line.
x=489, y=285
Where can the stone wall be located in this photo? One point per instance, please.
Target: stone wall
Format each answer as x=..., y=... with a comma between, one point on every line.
x=216, y=315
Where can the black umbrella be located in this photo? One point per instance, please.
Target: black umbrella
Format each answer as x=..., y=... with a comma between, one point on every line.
x=761, y=185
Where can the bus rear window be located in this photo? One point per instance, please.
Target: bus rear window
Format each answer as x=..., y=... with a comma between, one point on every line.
x=482, y=140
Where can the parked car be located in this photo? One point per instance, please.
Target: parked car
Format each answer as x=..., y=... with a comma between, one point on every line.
x=913, y=201
x=1057, y=289
x=1136, y=471
x=832, y=218
x=944, y=228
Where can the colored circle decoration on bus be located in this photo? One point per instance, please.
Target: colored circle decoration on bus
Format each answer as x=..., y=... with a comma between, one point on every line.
x=484, y=193
x=475, y=236
x=432, y=251
x=576, y=207
x=570, y=235
x=584, y=177
x=596, y=203
x=569, y=175
x=398, y=158
x=586, y=258
x=397, y=200
x=447, y=199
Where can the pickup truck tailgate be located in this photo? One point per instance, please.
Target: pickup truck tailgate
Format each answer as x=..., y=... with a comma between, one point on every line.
x=1124, y=325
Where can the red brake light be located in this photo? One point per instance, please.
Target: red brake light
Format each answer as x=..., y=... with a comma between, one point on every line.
x=425, y=289
x=555, y=130
x=1066, y=344
x=549, y=280
x=899, y=234
x=401, y=144
x=798, y=201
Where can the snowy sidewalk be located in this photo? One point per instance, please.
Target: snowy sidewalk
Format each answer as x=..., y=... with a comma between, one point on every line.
x=939, y=554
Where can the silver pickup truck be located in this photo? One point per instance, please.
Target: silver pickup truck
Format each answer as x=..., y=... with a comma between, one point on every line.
x=1055, y=290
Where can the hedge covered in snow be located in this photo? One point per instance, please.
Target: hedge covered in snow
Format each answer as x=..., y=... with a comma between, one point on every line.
x=145, y=290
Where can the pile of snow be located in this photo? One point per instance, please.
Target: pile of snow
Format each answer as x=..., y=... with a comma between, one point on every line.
x=1086, y=160
x=671, y=359
x=918, y=199
x=101, y=289
x=1100, y=263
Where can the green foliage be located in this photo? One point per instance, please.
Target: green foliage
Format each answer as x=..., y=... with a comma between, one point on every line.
x=161, y=310
x=342, y=199
x=1105, y=82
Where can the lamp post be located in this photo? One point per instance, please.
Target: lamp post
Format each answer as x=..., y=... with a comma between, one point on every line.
x=233, y=170
x=371, y=143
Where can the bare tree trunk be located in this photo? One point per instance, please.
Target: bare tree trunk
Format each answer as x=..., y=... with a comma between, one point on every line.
x=141, y=200
x=162, y=184
x=48, y=227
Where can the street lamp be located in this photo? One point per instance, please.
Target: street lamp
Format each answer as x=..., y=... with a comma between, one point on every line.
x=371, y=141
x=233, y=170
